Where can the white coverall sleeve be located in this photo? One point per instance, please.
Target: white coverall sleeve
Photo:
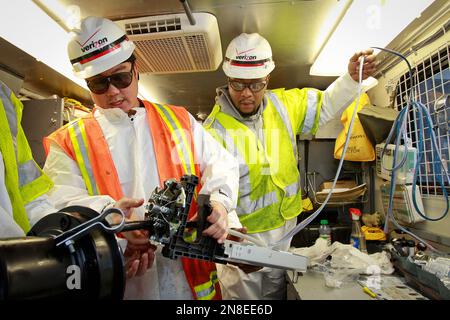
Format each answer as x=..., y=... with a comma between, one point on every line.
x=233, y=220
x=38, y=208
x=69, y=188
x=8, y=227
x=337, y=97
x=220, y=170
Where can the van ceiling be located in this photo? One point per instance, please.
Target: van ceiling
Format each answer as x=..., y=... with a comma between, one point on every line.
x=291, y=27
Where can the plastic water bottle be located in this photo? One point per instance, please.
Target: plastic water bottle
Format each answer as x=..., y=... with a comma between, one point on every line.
x=325, y=231
x=357, y=238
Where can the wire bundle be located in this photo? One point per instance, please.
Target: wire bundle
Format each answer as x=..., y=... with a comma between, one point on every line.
x=399, y=127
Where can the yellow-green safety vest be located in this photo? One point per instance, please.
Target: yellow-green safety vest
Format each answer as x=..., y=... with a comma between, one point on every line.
x=269, y=184
x=24, y=179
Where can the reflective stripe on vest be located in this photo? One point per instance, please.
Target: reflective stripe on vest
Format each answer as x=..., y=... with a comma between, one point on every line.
x=190, y=235
x=184, y=152
x=78, y=138
x=207, y=291
x=293, y=189
x=28, y=172
x=311, y=110
x=281, y=109
x=181, y=141
x=24, y=179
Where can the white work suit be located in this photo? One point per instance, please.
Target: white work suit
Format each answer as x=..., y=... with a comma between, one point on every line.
x=130, y=142
x=35, y=209
x=269, y=283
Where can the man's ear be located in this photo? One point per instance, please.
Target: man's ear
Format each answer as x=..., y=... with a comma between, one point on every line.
x=267, y=80
x=136, y=70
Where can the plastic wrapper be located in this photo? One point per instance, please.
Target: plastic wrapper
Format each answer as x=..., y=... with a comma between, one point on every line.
x=342, y=263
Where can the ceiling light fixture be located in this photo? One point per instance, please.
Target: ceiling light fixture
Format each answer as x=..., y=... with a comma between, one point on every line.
x=366, y=23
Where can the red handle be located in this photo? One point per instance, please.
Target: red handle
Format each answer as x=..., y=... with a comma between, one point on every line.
x=355, y=211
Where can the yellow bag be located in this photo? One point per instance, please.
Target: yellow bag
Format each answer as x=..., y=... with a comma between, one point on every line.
x=359, y=146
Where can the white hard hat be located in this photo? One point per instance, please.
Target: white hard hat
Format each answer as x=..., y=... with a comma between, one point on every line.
x=248, y=56
x=96, y=46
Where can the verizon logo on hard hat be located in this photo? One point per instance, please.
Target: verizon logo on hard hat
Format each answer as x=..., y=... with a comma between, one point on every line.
x=94, y=44
x=239, y=55
x=246, y=57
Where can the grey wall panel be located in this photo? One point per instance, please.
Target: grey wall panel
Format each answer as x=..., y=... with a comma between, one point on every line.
x=40, y=118
x=14, y=82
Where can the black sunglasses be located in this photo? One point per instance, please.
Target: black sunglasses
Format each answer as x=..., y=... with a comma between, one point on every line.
x=253, y=86
x=120, y=80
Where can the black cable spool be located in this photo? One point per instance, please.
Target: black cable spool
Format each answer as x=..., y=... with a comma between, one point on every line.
x=35, y=268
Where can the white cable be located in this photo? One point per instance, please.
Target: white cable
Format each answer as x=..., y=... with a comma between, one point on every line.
x=246, y=237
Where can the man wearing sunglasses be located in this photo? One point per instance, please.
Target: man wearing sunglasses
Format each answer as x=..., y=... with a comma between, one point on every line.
x=125, y=149
x=259, y=127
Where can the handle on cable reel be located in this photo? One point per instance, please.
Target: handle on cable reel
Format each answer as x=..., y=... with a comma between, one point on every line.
x=67, y=238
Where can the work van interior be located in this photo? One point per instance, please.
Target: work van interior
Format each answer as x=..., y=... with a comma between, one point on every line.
x=181, y=45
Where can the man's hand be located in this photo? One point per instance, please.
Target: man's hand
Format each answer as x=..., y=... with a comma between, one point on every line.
x=369, y=66
x=140, y=253
x=127, y=204
x=136, y=237
x=219, y=222
x=138, y=258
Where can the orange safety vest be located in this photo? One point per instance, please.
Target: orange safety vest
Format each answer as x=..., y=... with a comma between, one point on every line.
x=83, y=141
